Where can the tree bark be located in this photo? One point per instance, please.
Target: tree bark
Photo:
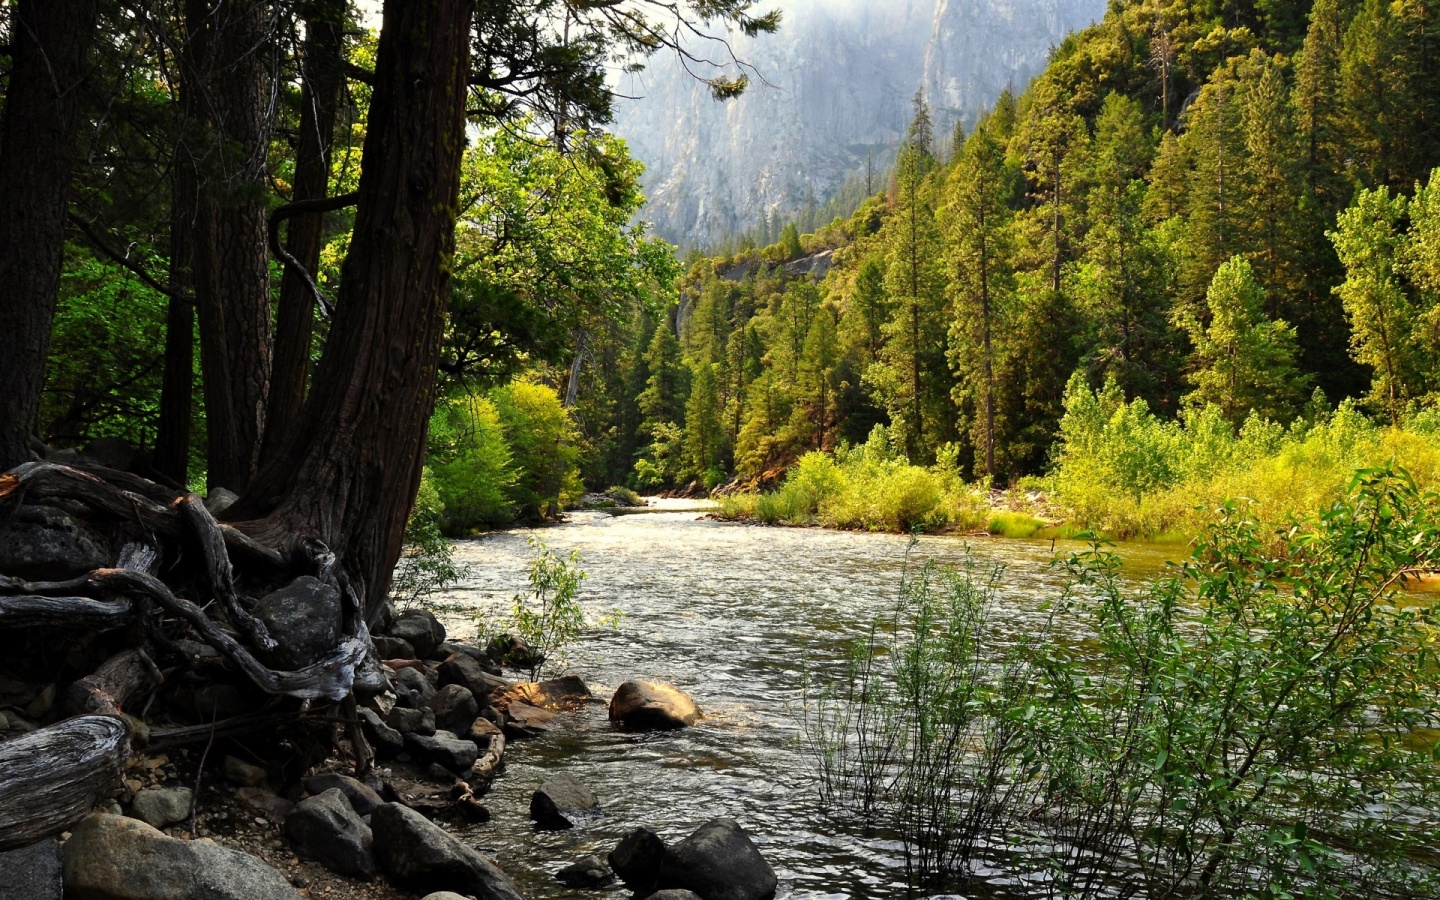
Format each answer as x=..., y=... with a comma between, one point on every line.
x=324, y=76
x=50, y=42
x=177, y=389
x=52, y=778
x=232, y=70
x=349, y=472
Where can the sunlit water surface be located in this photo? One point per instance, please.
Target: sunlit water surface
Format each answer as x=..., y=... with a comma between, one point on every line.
x=735, y=615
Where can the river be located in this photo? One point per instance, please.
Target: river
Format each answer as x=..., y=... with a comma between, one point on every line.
x=733, y=614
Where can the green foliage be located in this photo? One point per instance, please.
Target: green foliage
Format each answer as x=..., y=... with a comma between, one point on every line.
x=427, y=564
x=1259, y=724
x=471, y=466
x=542, y=442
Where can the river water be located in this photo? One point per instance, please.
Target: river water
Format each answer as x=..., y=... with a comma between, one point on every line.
x=734, y=615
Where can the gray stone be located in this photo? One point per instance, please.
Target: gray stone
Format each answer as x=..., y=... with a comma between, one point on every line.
x=562, y=802
x=412, y=687
x=392, y=647
x=116, y=858
x=421, y=629
x=162, y=806
x=39, y=543
x=444, y=748
x=325, y=828
x=443, y=895
x=450, y=648
x=718, y=862
x=304, y=618
x=637, y=859
x=265, y=802
x=590, y=872
x=31, y=873
x=387, y=742
x=220, y=499
x=412, y=721
x=455, y=708
x=648, y=706
x=674, y=894
x=240, y=772
x=463, y=669
x=362, y=798
x=419, y=854
x=523, y=720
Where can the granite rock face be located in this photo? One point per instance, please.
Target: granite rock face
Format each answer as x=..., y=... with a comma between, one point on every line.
x=840, y=77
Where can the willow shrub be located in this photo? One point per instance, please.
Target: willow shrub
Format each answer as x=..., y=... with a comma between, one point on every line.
x=1124, y=472
x=871, y=487
x=1260, y=724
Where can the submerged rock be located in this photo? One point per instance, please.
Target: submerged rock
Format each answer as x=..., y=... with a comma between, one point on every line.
x=421, y=855
x=590, y=872
x=111, y=857
x=562, y=802
x=523, y=720
x=648, y=705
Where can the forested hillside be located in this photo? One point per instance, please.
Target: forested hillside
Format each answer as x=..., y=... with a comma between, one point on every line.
x=1219, y=206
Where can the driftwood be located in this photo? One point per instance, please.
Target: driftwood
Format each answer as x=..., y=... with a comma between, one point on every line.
x=52, y=778
x=489, y=761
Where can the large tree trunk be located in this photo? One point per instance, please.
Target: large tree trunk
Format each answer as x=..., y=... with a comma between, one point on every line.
x=233, y=70
x=349, y=472
x=323, y=69
x=50, y=40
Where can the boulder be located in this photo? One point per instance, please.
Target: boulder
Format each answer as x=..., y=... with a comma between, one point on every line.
x=590, y=872
x=420, y=629
x=718, y=862
x=392, y=647
x=674, y=894
x=388, y=742
x=112, y=857
x=450, y=648
x=455, y=708
x=162, y=806
x=412, y=721
x=637, y=860
x=39, y=543
x=460, y=668
x=649, y=706
x=31, y=873
x=265, y=802
x=455, y=754
x=553, y=695
x=238, y=771
x=443, y=895
x=418, y=854
x=562, y=802
x=304, y=618
x=326, y=829
x=362, y=798
x=523, y=720
x=412, y=687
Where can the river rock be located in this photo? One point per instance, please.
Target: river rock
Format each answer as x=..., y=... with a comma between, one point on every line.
x=412, y=687
x=238, y=771
x=462, y=669
x=719, y=862
x=392, y=647
x=326, y=829
x=674, y=894
x=419, y=854
x=412, y=721
x=448, y=649
x=31, y=873
x=362, y=798
x=444, y=895
x=40, y=543
x=265, y=802
x=421, y=629
x=444, y=748
x=388, y=742
x=590, y=872
x=162, y=806
x=304, y=618
x=112, y=857
x=648, y=706
x=455, y=708
x=523, y=720
x=554, y=695
x=513, y=652
x=637, y=860
x=562, y=802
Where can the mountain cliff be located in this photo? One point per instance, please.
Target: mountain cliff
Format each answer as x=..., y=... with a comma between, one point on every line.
x=833, y=93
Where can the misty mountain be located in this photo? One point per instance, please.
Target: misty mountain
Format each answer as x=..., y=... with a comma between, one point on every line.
x=837, y=83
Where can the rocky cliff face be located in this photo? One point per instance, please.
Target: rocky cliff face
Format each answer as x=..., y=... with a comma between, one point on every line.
x=838, y=80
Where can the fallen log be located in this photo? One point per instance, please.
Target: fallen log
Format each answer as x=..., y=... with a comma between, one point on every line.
x=52, y=778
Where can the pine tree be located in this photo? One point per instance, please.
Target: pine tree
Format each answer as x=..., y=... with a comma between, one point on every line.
x=704, y=435
x=1243, y=362
x=817, y=372
x=663, y=400
x=1274, y=184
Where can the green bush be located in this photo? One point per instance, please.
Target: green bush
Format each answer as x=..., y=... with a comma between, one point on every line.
x=427, y=563
x=473, y=470
x=544, y=446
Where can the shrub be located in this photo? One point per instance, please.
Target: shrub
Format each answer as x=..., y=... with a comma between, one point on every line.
x=543, y=444
x=427, y=563
x=474, y=473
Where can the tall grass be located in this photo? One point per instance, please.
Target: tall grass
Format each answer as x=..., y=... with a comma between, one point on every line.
x=871, y=487
x=1124, y=472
